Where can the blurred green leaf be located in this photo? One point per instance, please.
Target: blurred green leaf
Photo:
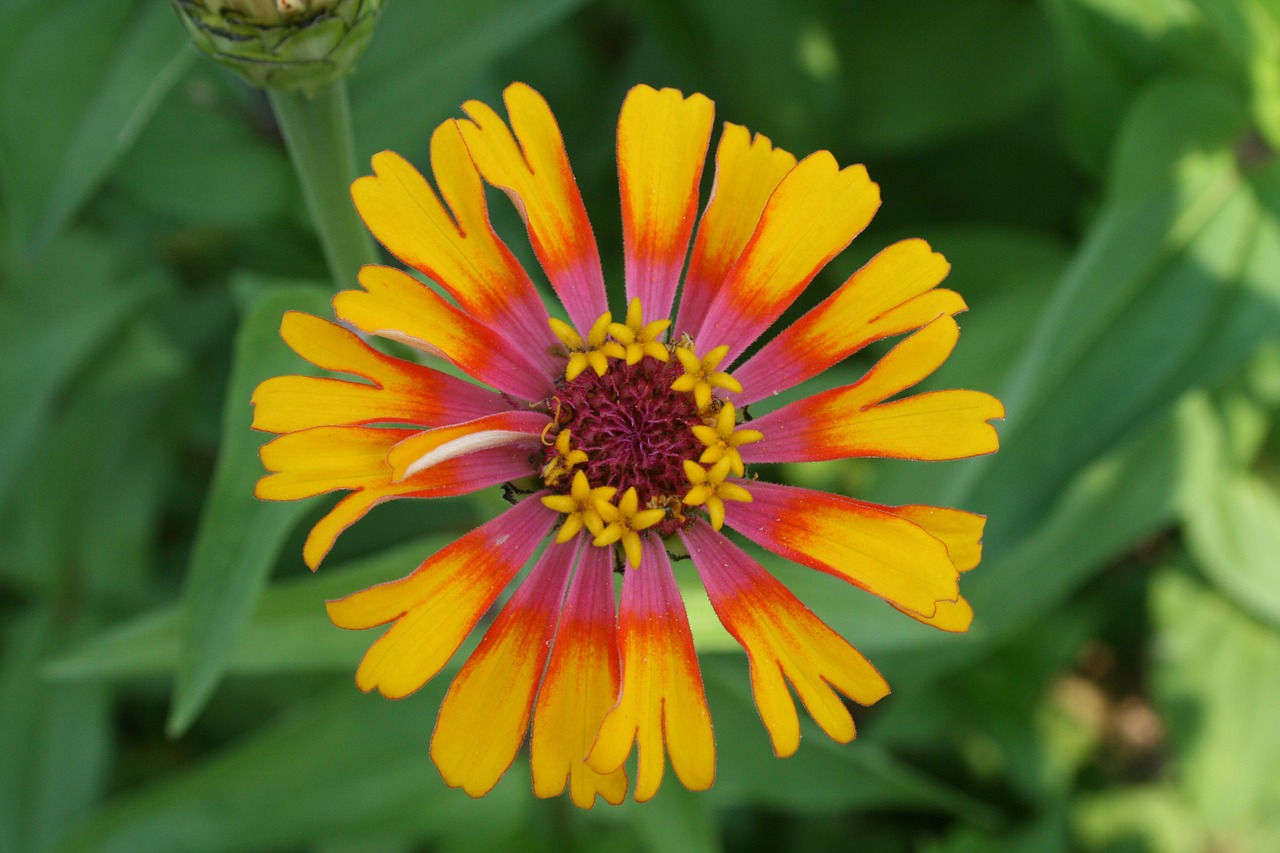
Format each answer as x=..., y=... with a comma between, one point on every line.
x=207, y=159
x=99, y=69
x=58, y=310
x=823, y=776
x=677, y=821
x=1250, y=29
x=1231, y=518
x=287, y=631
x=1107, y=50
x=429, y=55
x=112, y=440
x=239, y=536
x=1213, y=676
x=55, y=739
x=1174, y=287
x=1150, y=818
x=339, y=767
x=1005, y=276
x=924, y=71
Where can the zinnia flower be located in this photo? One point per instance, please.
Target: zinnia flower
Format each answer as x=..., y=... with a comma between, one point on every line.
x=621, y=437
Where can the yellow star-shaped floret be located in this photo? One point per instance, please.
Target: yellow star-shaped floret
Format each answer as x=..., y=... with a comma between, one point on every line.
x=722, y=441
x=700, y=374
x=595, y=352
x=581, y=507
x=711, y=489
x=638, y=338
x=624, y=522
x=565, y=462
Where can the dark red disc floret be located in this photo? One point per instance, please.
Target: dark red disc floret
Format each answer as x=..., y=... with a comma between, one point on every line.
x=634, y=429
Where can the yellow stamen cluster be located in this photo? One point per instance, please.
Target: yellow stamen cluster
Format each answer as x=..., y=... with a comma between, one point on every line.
x=701, y=376
x=593, y=508
x=565, y=462
x=594, y=352
x=623, y=523
x=581, y=507
x=637, y=338
x=722, y=440
x=711, y=489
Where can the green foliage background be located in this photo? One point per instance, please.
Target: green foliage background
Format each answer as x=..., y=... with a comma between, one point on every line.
x=1101, y=173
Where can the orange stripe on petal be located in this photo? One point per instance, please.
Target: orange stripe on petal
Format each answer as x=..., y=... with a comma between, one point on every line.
x=815, y=212
x=402, y=391
x=533, y=168
x=662, y=145
x=485, y=714
x=784, y=642
x=325, y=459
x=580, y=687
x=893, y=293
x=395, y=305
x=436, y=606
x=662, y=690
x=860, y=542
x=748, y=169
x=854, y=421
x=465, y=257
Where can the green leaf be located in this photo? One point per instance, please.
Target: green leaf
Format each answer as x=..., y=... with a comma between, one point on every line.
x=338, y=767
x=1169, y=291
x=1151, y=818
x=677, y=821
x=1251, y=31
x=288, y=630
x=1107, y=50
x=1231, y=518
x=429, y=55
x=1213, y=678
x=99, y=69
x=202, y=159
x=58, y=310
x=823, y=776
x=928, y=71
x=55, y=739
x=239, y=536
x=112, y=439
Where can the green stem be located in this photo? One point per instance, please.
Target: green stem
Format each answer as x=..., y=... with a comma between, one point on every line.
x=317, y=134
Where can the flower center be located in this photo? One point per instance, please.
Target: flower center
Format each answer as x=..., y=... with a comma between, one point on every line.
x=635, y=431
x=630, y=425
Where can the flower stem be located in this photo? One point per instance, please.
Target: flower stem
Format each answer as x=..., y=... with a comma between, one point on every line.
x=317, y=134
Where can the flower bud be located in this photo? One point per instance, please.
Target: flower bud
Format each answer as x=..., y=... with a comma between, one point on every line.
x=284, y=44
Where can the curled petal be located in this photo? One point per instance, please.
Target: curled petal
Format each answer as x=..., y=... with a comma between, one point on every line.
x=419, y=452
x=954, y=617
x=325, y=459
x=960, y=531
